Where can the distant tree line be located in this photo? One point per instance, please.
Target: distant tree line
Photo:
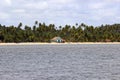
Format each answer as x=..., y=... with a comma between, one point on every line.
x=41, y=32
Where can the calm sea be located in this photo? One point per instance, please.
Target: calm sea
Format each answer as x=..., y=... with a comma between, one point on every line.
x=60, y=62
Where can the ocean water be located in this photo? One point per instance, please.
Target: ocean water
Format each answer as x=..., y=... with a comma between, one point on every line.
x=60, y=62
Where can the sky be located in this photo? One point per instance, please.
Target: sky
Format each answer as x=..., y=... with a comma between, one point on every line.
x=59, y=12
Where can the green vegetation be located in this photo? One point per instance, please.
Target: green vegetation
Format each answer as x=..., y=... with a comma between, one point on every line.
x=41, y=32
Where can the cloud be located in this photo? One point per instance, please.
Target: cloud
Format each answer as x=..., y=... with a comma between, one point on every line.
x=118, y=17
x=99, y=5
x=60, y=1
x=113, y=0
x=60, y=12
x=38, y=5
x=4, y=15
x=9, y=2
x=18, y=11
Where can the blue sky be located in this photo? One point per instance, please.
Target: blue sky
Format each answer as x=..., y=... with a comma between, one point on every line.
x=59, y=12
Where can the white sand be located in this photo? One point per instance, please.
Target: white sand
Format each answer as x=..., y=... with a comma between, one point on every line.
x=31, y=43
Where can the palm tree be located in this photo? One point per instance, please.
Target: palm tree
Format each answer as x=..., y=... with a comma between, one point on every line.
x=36, y=23
x=20, y=25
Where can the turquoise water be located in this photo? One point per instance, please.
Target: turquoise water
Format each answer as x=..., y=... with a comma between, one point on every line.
x=60, y=62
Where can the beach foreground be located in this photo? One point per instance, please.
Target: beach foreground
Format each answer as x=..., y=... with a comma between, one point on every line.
x=39, y=43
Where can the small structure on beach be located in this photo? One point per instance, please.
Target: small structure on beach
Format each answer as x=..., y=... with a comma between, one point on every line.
x=57, y=40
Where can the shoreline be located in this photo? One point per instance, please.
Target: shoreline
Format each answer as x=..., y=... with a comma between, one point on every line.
x=39, y=43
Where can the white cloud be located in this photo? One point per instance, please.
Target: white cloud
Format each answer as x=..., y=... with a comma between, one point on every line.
x=113, y=0
x=97, y=5
x=4, y=15
x=9, y=2
x=59, y=11
x=60, y=1
x=38, y=5
x=118, y=17
x=18, y=11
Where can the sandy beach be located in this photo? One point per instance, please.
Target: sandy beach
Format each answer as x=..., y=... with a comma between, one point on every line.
x=39, y=43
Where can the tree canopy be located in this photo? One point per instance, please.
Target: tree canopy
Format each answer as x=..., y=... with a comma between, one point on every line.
x=41, y=32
